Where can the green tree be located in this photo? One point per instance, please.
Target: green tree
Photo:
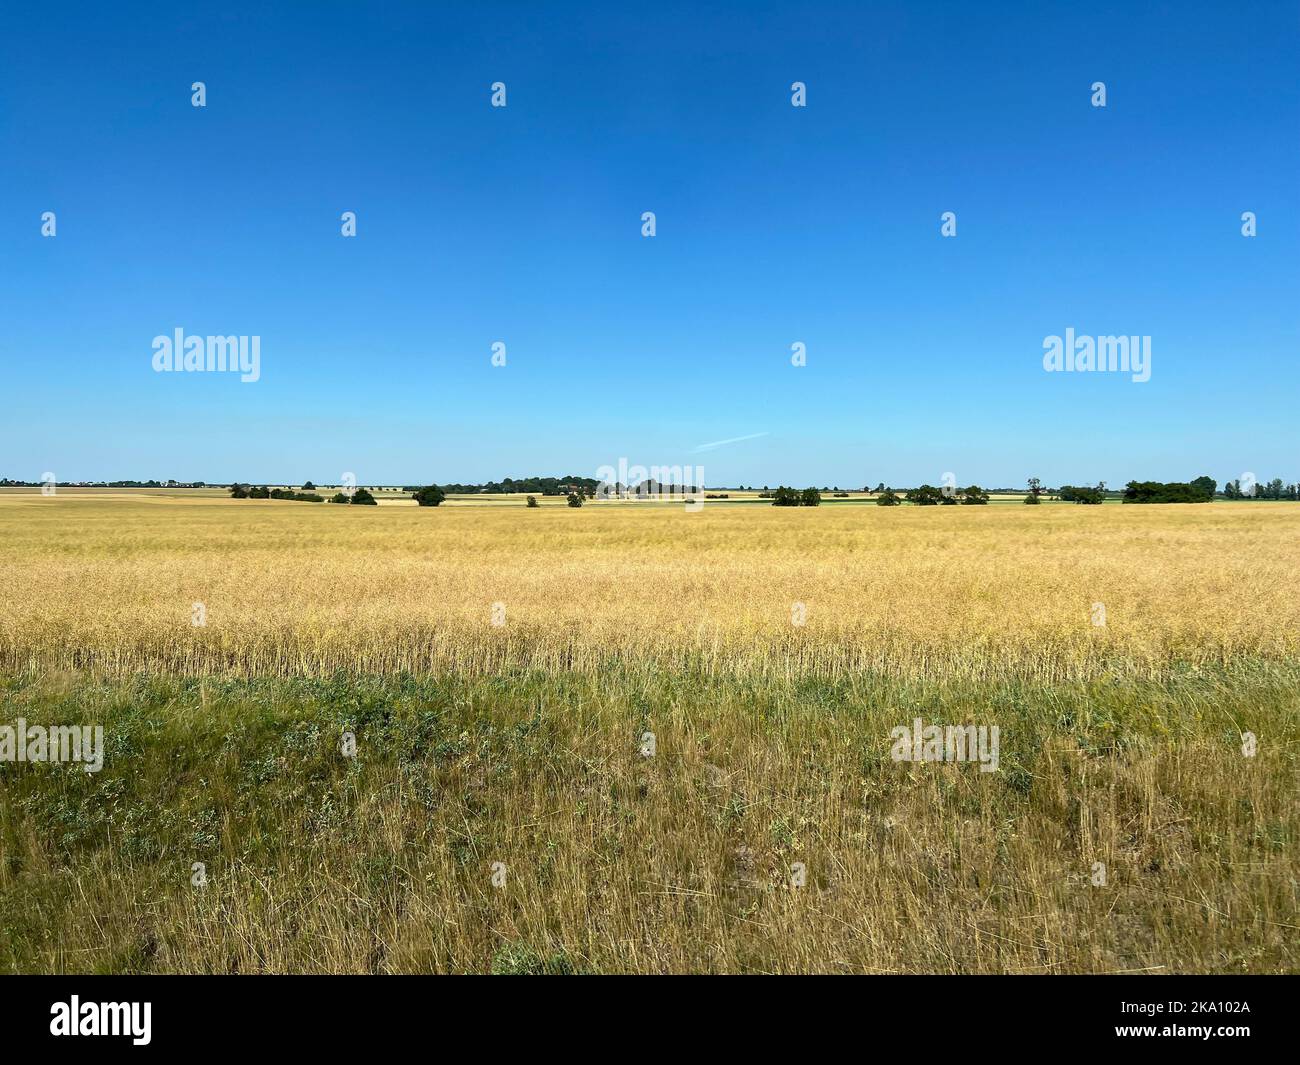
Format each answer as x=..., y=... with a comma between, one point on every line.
x=362, y=498
x=575, y=500
x=429, y=496
x=974, y=496
x=810, y=498
x=887, y=498
x=532, y=501
x=1074, y=494
x=925, y=496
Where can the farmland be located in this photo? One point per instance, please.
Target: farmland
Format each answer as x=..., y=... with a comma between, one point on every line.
x=500, y=668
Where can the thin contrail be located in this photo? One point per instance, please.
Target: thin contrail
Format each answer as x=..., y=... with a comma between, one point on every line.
x=721, y=443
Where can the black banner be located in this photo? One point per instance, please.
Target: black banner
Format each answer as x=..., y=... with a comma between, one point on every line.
x=1220, y=1015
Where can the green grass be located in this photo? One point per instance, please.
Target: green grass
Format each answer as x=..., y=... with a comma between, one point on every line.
x=678, y=862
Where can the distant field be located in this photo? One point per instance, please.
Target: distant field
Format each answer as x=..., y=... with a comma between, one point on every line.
x=396, y=497
x=500, y=668
x=299, y=588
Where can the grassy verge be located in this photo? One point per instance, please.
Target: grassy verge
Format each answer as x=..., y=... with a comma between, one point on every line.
x=681, y=861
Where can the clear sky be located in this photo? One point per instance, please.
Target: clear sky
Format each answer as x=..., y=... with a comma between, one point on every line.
x=775, y=225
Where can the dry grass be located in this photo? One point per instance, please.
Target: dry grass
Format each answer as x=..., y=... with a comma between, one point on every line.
x=675, y=863
x=301, y=589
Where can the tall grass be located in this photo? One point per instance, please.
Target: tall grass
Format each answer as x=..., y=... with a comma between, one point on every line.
x=616, y=862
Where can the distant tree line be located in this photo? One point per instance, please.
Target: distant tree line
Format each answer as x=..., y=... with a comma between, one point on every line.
x=7, y=482
x=1200, y=490
x=793, y=497
x=1072, y=494
x=261, y=491
x=547, y=486
x=359, y=497
x=1273, y=489
x=929, y=496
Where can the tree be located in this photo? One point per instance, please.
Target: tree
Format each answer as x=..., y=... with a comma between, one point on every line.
x=429, y=496
x=239, y=491
x=362, y=498
x=1207, y=486
x=308, y=486
x=925, y=496
x=1072, y=494
x=532, y=501
x=259, y=492
x=887, y=498
x=974, y=496
x=1159, y=492
x=575, y=500
x=339, y=497
x=811, y=498
x=786, y=497
x=1035, y=489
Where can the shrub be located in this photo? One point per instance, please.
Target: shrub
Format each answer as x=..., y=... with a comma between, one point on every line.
x=575, y=500
x=1033, y=499
x=974, y=496
x=532, y=501
x=259, y=492
x=519, y=959
x=887, y=499
x=362, y=498
x=429, y=496
x=239, y=491
x=339, y=497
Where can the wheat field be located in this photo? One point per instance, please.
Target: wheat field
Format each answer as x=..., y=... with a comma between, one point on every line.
x=294, y=589
x=501, y=813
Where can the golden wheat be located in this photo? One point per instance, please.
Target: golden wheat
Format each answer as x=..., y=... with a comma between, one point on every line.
x=307, y=589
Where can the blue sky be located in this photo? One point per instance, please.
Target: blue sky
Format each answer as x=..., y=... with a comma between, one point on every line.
x=776, y=224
